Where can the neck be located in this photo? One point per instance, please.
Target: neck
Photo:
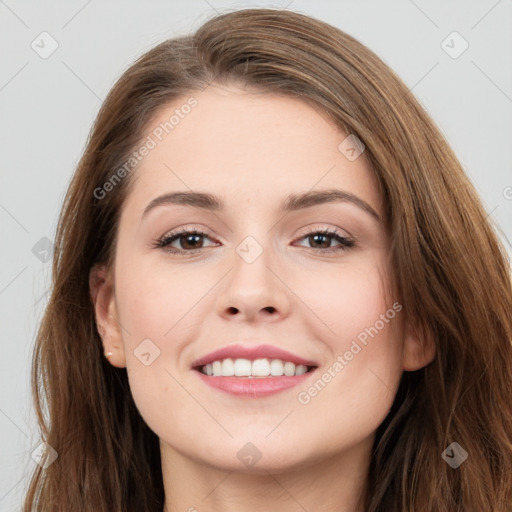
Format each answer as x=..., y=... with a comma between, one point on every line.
x=335, y=484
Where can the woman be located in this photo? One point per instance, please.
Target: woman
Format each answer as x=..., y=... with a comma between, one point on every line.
x=246, y=367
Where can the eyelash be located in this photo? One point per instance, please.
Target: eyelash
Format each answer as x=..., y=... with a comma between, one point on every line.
x=166, y=240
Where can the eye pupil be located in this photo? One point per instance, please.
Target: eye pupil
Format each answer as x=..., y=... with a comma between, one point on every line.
x=316, y=236
x=188, y=238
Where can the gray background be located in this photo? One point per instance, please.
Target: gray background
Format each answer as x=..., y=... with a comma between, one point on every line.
x=48, y=106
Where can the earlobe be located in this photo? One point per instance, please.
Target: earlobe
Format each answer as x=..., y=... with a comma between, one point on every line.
x=419, y=348
x=103, y=299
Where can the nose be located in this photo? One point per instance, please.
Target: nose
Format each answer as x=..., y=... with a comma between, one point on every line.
x=254, y=291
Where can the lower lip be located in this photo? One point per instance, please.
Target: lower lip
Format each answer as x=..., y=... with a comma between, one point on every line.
x=255, y=387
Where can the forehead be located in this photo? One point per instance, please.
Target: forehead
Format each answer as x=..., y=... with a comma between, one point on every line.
x=247, y=146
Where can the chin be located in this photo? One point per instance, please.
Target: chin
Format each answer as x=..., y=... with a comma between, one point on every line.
x=258, y=457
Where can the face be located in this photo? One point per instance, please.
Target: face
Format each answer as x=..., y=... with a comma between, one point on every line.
x=308, y=277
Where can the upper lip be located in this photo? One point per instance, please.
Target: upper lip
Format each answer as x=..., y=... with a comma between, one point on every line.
x=251, y=352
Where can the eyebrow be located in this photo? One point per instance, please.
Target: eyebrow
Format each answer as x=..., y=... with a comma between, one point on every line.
x=292, y=202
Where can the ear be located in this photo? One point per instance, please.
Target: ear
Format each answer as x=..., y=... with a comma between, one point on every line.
x=101, y=288
x=419, y=348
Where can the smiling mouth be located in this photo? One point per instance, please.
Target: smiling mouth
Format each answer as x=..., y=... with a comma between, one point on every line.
x=253, y=369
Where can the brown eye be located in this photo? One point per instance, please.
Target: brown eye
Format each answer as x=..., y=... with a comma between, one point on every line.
x=321, y=239
x=188, y=241
x=324, y=239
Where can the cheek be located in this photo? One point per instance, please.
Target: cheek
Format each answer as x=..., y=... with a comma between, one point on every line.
x=153, y=299
x=359, y=324
x=152, y=304
x=355, y=389
x=347, y=300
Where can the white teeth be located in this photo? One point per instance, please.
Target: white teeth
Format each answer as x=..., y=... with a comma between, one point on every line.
x=216, y=367
x=260, y=368
x=228, y=368
x=257, y=368
x=243, y=367
x=289, y=369
x=276, y=367
x=300, y=369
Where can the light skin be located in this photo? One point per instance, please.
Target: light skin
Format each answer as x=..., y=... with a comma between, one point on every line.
x=254, y=150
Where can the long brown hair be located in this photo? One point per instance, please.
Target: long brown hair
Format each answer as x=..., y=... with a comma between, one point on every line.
x=451, y=271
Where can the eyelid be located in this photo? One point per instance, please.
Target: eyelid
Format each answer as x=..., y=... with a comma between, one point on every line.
x=188, y=230
x=315, y=228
